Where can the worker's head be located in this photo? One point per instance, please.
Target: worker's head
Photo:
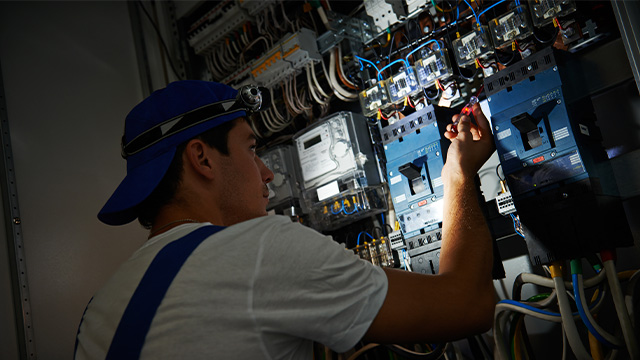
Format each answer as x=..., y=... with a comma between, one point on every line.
x=186, y=115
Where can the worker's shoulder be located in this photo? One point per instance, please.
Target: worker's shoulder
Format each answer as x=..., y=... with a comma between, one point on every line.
x=269, y=223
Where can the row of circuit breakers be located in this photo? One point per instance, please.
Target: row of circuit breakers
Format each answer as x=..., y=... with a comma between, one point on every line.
x=550, y=150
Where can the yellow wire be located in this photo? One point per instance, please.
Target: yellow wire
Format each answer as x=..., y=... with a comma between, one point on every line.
x=556, y=269
x=518, y=339
x=594, y=345
x=625, y=275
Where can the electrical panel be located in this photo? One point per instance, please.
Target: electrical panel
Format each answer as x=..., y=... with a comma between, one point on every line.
x=340, y=177
x=284, y=190
x=549, y=146
x=362, y=91
x=403, y=62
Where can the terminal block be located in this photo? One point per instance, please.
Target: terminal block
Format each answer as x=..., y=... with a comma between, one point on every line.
x=505, y=205
x=472, y=46
x=378, y=252
x=401, y=85
x=514, y=25
x=285, y=58
x=543, y=12
x=396, y=239
x=433, y=66
x=373, y=98
x=214, y=26
x=347, y=206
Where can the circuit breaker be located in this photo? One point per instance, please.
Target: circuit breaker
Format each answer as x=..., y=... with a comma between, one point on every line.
x=550, y=149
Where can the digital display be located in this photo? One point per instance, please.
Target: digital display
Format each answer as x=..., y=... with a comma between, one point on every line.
x=309, y=143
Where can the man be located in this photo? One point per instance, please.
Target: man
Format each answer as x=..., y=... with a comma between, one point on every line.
x=219, y=279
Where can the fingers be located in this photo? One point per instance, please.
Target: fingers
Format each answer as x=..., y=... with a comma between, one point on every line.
x=481, y=120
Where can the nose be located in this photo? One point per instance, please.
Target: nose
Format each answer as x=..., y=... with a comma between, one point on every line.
x=267, y=174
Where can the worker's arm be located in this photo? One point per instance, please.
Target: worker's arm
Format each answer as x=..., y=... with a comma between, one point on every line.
x=459, y=301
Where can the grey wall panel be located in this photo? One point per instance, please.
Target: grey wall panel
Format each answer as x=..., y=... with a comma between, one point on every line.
x=70, y=77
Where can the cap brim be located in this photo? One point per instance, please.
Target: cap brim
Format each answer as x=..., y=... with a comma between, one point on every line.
x=140, y=181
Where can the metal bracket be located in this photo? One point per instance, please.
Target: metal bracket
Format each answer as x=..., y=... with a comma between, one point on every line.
x=21, y=297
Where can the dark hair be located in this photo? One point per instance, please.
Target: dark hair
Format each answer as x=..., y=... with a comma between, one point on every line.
x=164, y=193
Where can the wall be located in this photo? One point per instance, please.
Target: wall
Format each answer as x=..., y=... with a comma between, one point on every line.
x=70, y=77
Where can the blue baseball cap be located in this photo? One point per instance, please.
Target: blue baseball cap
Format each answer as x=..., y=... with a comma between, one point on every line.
x=155, y=128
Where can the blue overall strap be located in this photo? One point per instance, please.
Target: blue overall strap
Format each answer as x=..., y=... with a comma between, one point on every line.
x=135, y=323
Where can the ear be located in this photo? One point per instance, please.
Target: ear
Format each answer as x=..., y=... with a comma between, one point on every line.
x=199, y=156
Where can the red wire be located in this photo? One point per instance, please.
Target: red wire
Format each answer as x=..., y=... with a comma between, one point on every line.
x=382, y=115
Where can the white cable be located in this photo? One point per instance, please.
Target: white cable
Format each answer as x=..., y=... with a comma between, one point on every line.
x=311, y=87
x=275, y=110
x=288, y=95
x=235, y=47
x=568, y=322
x=211, y=67
x=610, y=338
x=220, y=56
x=340, y=67
x=297, y=98
x=564, y=344
x=266, y=122
x=547, y=282
x=332, y=80
x=323, y=17
x=275, y=21
x=629, y=297
x=284, y=15
x=252, y=122
x=621, y=309
x=315, y=80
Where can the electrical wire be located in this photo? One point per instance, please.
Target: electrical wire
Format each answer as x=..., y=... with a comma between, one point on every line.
x=340, y=92
x=340, y=71
x=567, y=318
x=390, y=64
x=315, y=79
x=588, y=320
x=489, y=8
x=164, y=45
x=362, y=350
x=362, y=232
x=618, y=300
x=421, y=46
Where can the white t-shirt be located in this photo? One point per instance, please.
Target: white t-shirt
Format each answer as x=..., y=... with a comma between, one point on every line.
x=262, y=289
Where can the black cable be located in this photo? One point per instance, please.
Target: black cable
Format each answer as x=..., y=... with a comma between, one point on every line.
x=555, y=36
x=164, y=45
x=467, y=78
x=497, y=173
x=508, y=62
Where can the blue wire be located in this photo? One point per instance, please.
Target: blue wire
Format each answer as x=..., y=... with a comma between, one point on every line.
x=489, y=8
x=529, y=307
x=474, y=12
x=388, y=65
x=583, y=315
x=420, y=47
x=364, y=232
x=544, y=312
x=515, y=226
x=367, y=61
x=339, y=211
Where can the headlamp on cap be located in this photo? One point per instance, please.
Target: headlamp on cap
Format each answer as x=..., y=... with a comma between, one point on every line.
x=250, y=99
